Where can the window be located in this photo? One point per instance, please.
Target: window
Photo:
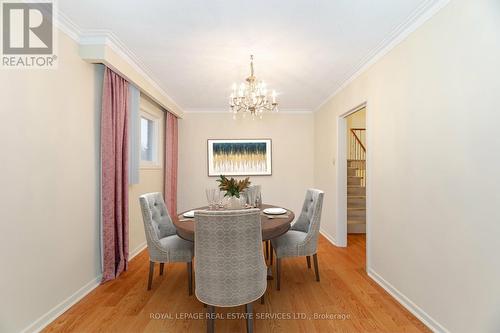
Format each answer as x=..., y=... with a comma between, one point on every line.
x=147, y=129
x=149, y=140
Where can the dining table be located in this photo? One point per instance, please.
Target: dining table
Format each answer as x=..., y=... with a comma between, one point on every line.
x=272, y=226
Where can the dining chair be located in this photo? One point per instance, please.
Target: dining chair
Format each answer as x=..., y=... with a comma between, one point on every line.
x=302, y=238
x=257, y=190
x=164, y=245
x=230, y=266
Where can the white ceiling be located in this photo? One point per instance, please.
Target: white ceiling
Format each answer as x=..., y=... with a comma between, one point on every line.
x=196, y=49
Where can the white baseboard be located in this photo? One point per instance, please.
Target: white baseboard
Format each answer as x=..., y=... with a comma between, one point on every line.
x=329, y=237
x=430, y=322
x=59, y=309
x=137, y=250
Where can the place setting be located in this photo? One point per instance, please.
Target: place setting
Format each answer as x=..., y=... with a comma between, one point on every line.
x=275, y=213
x=232, y=194
x=187, y=216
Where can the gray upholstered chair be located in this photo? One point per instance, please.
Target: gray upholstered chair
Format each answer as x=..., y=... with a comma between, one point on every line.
x=230, y=266
x=258, y=200
x=164, y=245
x=302, y=238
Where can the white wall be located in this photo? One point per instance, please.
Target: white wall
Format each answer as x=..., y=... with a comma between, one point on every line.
x=292, y=139
x=432, y=119
x=356, y=120
x=49, y=172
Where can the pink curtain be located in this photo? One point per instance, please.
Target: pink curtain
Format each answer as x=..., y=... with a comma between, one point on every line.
x=114, y=174
x=170, y=189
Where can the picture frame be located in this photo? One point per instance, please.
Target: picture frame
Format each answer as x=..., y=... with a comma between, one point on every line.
x=239, y=157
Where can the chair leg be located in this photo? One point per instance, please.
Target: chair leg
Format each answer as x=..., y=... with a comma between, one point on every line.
x=316, y=269
x=211, y=319
x=151, y=271
x=308, y=262
x=190, y=277
x=267, y=249
x=249, y=315
x=262, y=299
x=271, y=254
x=161, y=268
x=278, y=273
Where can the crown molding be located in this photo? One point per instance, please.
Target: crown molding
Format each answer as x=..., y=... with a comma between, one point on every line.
x=226, y=111
x=67, y=26
x=106, y=38
x=417, y=18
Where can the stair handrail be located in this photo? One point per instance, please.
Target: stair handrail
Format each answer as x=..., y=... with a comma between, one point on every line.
x=357, y=153
x=357, y=138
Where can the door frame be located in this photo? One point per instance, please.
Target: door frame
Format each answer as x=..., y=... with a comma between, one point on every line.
x=341, y=235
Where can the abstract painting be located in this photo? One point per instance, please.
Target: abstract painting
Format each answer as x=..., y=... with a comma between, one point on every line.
x=239, y=157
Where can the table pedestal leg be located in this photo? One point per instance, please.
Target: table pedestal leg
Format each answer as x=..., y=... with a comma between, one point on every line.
x=269, y=273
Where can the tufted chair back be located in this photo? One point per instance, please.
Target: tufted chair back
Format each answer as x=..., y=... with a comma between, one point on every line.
x=230, y=266
x=157, y=221
x=310, y=218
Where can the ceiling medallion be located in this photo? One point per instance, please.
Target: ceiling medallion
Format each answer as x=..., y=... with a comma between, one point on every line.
x=252, y=97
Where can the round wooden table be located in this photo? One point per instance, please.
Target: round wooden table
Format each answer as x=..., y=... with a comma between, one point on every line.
x=271, y=227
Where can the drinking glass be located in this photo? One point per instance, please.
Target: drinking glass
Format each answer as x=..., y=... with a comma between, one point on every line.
x=258, y=195
x=210, y=193
x=219, y=196
x=252, y=196
x=244, y=198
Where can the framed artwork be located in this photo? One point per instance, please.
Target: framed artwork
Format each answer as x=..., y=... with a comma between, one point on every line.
x=243, y=157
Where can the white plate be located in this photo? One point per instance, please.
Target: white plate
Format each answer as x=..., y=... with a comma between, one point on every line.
x=274, y=211
x=189, y=214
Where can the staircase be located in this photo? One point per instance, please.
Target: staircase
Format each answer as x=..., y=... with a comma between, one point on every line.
x=356, y=183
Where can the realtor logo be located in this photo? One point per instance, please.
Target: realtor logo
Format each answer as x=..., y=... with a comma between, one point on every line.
x=27, y=35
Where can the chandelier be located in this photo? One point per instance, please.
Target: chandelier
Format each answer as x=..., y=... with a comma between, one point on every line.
x=252, y=96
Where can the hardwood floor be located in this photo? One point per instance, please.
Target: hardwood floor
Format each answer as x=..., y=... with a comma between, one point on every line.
x=346, y=298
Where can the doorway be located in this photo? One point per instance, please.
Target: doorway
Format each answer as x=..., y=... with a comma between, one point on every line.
x=352, y=176
x=356, y=172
